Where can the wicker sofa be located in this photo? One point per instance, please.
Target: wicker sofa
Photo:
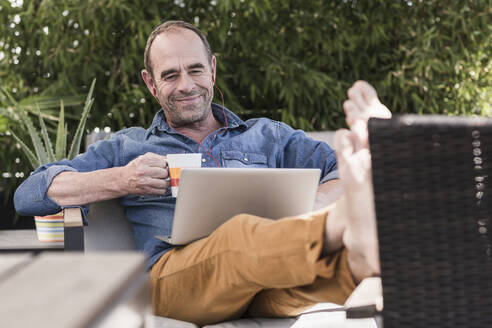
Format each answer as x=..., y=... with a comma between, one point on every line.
x=109, y=230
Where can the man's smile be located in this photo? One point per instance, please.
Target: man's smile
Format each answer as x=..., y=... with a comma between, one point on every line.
x=188, y=100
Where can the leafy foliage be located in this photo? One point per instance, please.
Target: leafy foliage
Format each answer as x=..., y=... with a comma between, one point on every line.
x=42, y=151
x=288, y=60
x=291, y=60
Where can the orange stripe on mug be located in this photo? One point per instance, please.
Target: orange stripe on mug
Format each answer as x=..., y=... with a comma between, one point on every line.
x=178, y=161
x=174, y=172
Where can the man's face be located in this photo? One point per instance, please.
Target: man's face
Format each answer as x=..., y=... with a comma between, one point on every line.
x=182, y=77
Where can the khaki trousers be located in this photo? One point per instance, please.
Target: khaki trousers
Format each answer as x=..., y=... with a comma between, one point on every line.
x=251, y=266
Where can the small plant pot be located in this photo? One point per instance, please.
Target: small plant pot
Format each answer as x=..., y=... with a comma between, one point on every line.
x=50, y=227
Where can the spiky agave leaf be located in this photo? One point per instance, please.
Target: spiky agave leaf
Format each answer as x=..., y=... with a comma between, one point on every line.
x=6, y=113
x=36, y=140
x=46, y=138
x=75, y=147
x=8, y=96
x=29, y=154
x=61, y=134
x=65, y=137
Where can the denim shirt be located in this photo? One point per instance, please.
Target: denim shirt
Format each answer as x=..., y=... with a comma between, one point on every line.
x=257, y=142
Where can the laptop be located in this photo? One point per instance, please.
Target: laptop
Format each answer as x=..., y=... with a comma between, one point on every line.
x=209, y=197
x=433, y=199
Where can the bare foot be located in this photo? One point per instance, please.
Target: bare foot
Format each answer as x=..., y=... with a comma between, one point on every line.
x=356, y=206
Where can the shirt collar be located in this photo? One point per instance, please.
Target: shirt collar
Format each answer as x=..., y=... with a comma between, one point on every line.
x=159, y=122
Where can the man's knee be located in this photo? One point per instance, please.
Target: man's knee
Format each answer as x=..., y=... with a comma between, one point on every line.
x=239, y=229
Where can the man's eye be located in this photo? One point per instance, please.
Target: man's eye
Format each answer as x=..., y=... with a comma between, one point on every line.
x=195, y=71
x=169, y=78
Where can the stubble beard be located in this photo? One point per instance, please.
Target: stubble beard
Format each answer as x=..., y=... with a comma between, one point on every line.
x=181, y=116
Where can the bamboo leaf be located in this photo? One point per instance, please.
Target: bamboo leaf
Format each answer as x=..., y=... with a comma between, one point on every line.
x=46, y=138
x=61, y=134
x=77, y=138
x=47, y=102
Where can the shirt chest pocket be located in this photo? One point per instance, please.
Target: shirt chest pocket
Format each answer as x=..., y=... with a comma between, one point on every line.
x=235, y=158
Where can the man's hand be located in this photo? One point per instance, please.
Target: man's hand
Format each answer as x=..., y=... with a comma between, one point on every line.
x=354, y=166
x=146, y=175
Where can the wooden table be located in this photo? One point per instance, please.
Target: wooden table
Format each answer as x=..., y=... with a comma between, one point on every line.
x=25, y=241
x=73, y=290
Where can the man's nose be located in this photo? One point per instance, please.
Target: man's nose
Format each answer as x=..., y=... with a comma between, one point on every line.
x=185, y=83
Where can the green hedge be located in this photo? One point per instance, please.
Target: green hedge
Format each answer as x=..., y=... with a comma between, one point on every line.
x=289, y=60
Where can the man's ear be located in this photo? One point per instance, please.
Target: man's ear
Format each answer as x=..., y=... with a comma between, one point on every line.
x=149, y=82
x=213, y=67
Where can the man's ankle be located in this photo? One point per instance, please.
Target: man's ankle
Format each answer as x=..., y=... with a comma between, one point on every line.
x=334, y=229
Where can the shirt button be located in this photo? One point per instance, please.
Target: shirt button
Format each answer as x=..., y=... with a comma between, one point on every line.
x=245, y=159
x=204, y=160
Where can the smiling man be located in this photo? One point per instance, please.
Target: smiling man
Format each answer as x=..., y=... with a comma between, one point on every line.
x=248, y=266
x=180, y=74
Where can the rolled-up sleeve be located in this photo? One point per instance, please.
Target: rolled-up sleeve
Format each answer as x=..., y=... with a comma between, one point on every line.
x=31, y=197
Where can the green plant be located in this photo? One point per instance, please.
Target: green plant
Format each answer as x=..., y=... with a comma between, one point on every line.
x=285, y=59
x=43, y=150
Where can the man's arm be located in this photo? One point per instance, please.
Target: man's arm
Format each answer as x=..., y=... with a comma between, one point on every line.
x=146, y=174
x=60, y=184
x=81, y=188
